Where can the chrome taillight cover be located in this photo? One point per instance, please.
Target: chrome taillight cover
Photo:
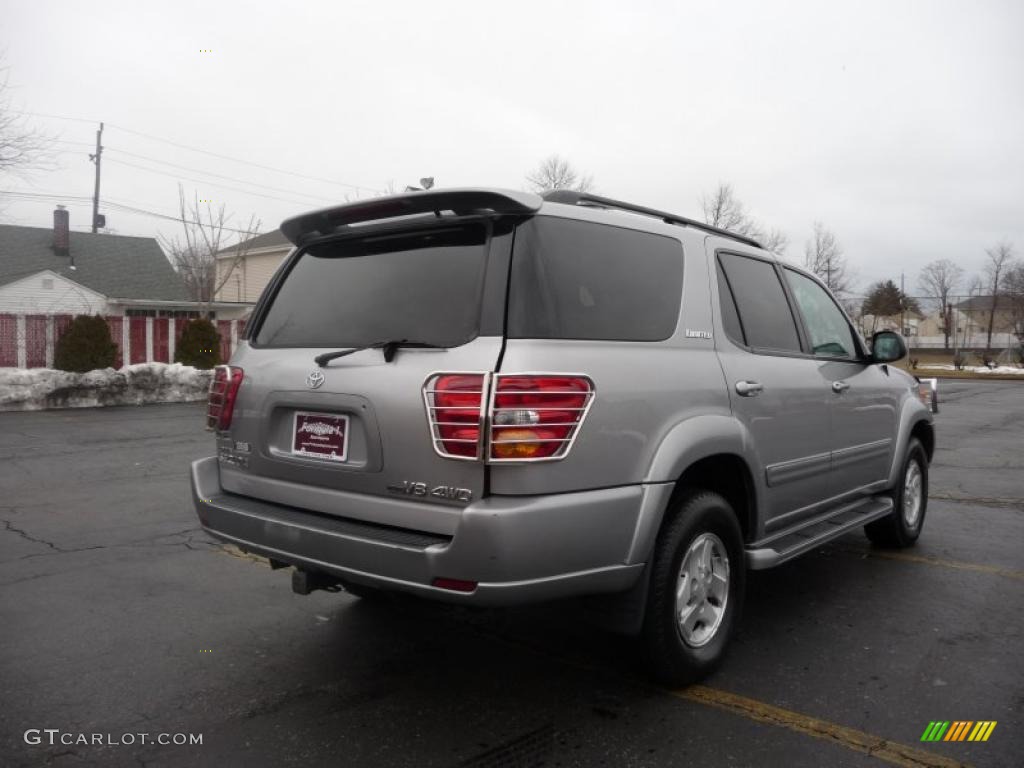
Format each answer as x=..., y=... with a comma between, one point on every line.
x=220, y=401
x=506, y=418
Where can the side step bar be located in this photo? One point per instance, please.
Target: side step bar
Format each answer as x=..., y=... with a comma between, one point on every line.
x=780, y=548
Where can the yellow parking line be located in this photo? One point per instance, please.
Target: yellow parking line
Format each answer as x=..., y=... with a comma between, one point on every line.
x=956, y=564
x=858, y=741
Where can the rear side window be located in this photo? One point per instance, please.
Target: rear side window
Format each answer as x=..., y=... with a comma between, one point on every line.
x=577, y=280
x=765, y=317
x=423, y=286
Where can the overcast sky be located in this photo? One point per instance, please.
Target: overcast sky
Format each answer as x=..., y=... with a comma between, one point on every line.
x=900, y=125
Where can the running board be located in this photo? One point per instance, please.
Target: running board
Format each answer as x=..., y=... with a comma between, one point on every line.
x=778, y=549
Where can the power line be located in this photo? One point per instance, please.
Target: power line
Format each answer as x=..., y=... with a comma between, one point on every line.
x=246, y=162
x=205, y=152
x=209, y=183
x=55, y=117
x=219, y=176
x=78, y=201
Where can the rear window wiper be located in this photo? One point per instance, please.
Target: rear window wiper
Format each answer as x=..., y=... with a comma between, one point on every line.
x=389, y=347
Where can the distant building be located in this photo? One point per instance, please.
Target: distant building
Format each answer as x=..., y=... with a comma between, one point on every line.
x=1007, y=321
x=243, y=278
x=57, y=271
x=968, y=324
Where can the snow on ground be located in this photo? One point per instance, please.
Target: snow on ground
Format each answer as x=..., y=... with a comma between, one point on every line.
x=973, y=368
x=35, y=389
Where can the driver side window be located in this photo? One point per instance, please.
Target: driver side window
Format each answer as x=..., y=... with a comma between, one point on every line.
x=830, y=332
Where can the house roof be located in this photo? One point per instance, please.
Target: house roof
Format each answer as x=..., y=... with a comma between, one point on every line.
x=116, y=266
x=984, y=303
x=266, y=240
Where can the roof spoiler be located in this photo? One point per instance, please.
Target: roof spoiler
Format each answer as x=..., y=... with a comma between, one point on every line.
x=461, y=201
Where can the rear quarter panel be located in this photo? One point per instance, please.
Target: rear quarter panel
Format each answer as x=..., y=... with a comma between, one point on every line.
x=643, y=392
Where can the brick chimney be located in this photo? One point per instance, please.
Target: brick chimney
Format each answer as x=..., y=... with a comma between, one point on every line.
x=61, y=231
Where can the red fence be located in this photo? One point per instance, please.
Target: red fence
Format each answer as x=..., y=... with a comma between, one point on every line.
x=8, y=341
x=29, y=341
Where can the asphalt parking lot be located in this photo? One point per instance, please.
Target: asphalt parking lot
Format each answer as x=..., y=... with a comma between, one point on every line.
x=118, y=616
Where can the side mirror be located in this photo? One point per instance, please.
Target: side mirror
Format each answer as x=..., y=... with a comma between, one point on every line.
x=887, y=346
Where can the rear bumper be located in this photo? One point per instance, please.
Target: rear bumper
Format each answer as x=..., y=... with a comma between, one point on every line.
x=518, y=549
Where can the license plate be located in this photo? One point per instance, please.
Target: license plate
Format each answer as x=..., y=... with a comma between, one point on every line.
x=321, y=436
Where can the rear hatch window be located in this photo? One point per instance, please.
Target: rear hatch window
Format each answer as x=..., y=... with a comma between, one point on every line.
x=579, y=280
x=421, y=285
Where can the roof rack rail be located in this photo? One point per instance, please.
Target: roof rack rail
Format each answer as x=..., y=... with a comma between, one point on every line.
x=570, y=197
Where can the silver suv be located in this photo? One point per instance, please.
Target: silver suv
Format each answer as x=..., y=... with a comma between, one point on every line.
x=489, y=397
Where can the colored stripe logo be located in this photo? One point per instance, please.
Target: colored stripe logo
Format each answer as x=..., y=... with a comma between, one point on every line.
x=958, y=730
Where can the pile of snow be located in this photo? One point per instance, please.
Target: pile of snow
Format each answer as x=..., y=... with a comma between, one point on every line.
x=38, y=388
x=974, y=368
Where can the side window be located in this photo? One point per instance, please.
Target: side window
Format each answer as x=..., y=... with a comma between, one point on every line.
x=764, y=313
x=730, y=318
x=576, y=280
x=830, y=332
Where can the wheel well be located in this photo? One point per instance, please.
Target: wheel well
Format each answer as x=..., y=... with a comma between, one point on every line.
x=720, y=473
x=925, y=432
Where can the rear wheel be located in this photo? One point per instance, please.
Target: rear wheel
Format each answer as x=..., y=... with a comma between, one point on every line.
x=696, y=590
x=903, y=526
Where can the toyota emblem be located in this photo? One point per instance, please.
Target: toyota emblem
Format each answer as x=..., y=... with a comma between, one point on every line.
x=315, y=379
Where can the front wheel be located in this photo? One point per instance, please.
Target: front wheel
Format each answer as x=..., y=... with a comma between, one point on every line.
x=902, y=527
x=696, y=589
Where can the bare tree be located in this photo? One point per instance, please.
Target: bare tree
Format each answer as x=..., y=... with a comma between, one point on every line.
x=938, y=280
x=557, y=173
x=999, y=257
x=22, y=148
x=1013, y=289
x=724, y=210
x=824, y=257
x=206, y=234
x=774, y=240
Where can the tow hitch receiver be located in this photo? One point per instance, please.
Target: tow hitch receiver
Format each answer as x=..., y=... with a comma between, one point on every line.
x=304, y=582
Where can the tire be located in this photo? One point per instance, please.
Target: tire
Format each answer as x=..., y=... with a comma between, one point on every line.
x=680, y=653
x=903, y=526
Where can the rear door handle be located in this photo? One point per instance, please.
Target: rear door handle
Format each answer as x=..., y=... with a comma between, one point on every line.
x=749, y=388
x=839, y=387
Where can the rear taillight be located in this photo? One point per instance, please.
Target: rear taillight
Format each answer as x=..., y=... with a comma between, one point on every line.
x=223, y=391
x=506, y=417
x=455, y=410
x=535, y=417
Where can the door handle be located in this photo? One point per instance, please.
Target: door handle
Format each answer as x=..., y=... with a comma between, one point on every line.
x=749, y=388
x=839, y=387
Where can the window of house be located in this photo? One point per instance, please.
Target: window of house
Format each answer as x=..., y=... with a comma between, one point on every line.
x=48, y=283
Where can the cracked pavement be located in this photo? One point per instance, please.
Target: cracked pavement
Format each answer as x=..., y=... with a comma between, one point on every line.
x=119, y=615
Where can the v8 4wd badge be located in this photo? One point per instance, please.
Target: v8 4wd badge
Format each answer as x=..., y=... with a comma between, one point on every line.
x=447, y=492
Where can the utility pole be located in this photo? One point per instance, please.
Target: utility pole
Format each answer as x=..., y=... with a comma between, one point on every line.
x=96, y=193
x=903, y=314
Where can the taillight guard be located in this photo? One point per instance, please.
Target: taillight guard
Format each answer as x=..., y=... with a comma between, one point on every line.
x=455, y=405
x=536, y=416
x=220, y=404
x=506, y=418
